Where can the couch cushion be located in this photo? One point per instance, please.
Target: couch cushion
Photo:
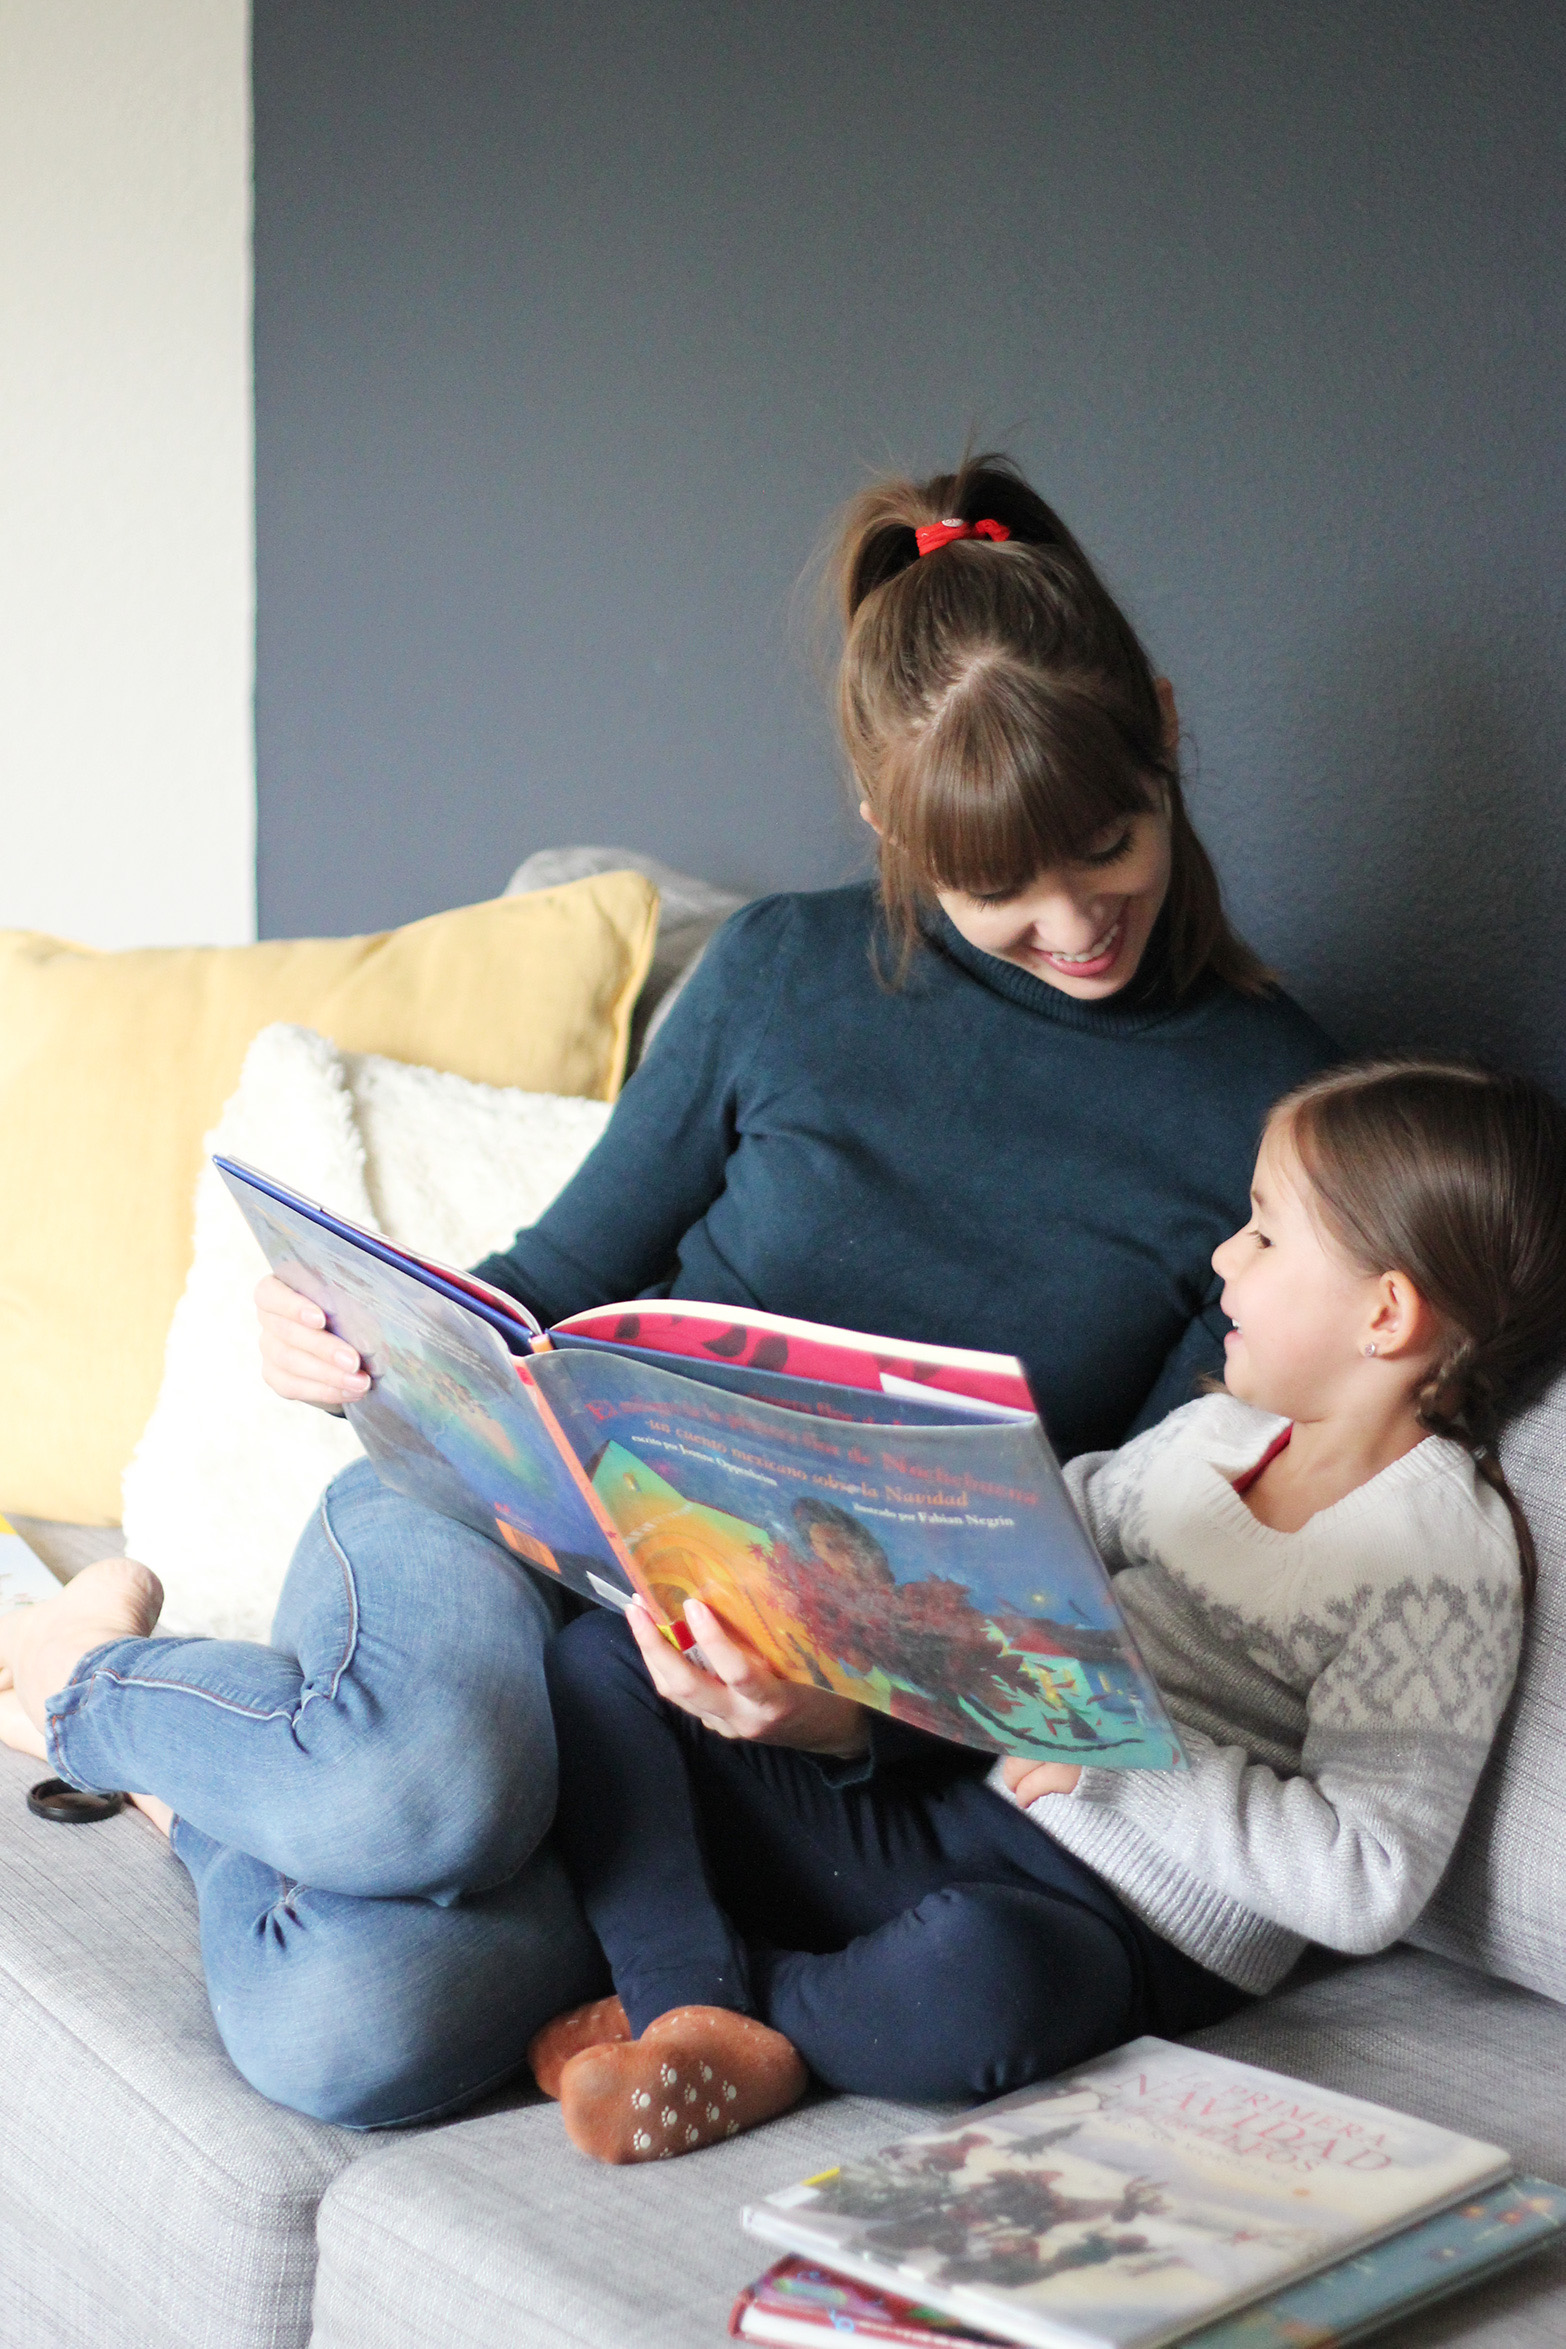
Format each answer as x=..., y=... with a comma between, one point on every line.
x=113, y=1067
x=147, y=2195
x=689, y=910
x=226, y=1473
x=1502, y=1905
x=495, y=2231
x=1436, y=2039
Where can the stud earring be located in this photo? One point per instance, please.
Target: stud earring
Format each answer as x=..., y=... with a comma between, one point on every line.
x=1370, y=1349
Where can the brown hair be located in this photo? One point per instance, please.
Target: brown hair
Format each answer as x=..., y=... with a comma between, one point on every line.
x=999, y=712
x=1456, y=1177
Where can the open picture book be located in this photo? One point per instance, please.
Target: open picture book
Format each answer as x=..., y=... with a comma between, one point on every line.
x=870, y=1515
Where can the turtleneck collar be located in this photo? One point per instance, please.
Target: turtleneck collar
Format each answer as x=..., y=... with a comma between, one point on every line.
x=1149, y=999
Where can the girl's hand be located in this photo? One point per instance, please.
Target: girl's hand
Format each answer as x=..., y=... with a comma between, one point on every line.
x=1028, y=1780
x=300, y=1358
x=740, y=1696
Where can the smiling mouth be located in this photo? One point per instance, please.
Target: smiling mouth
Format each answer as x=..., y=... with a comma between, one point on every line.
x=1102, y=951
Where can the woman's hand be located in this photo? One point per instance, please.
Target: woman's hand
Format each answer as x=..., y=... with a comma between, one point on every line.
x=739, y=1696
x=300, y=1358
x=1028, y=1780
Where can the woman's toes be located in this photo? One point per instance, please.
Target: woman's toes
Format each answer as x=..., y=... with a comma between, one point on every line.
x=17, y=1731
x=118, y=1591
x=43, y=1644
x=601, y=2024
x=696, y=2076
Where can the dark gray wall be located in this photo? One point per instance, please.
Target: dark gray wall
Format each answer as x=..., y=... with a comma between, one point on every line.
x=574, y=321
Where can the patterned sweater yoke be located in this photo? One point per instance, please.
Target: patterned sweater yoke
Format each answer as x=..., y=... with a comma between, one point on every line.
x=1337, y=1689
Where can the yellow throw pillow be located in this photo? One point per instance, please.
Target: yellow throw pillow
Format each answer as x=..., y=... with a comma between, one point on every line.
x=113, y=1067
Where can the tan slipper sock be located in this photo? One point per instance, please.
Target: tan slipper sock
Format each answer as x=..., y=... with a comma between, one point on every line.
x=550, y=2050
x=695, y=2076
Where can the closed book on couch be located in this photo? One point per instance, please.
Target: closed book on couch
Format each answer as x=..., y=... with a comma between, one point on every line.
x=24, y=1578
x=1129, y=2202
x=798, y=2306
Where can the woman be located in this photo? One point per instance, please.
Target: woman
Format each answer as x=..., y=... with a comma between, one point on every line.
x=1006, y=1097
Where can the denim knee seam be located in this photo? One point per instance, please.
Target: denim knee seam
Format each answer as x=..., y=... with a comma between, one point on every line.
x=351, y=1591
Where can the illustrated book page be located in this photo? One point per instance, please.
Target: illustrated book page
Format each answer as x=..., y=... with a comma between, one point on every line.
x=903, y=1542
x=938, y=1573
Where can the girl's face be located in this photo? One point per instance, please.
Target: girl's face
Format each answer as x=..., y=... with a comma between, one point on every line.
x=1084, y=926
x=1304, y=1312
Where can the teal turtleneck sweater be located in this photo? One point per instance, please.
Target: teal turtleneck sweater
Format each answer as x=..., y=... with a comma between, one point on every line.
x=972, y=1158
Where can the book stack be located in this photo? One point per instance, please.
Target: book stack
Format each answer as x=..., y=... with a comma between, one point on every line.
x=1158, y=2194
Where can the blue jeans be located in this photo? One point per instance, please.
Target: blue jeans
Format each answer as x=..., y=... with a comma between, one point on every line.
x=362, y=1806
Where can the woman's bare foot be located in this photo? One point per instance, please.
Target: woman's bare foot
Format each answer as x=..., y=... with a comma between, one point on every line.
x=603, y=2024
x=159, y=1813
x=43, y=1644
x=695, y=2076
x=17, y=1731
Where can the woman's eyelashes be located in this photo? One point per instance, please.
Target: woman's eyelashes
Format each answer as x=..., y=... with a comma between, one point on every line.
x=1095, y=859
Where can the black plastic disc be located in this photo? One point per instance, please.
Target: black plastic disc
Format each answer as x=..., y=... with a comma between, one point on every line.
x=68, y=1806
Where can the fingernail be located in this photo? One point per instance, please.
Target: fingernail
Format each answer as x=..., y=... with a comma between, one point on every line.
x=345, y=1360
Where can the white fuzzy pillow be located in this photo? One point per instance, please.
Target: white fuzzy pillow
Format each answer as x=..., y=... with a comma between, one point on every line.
x=225, y=1474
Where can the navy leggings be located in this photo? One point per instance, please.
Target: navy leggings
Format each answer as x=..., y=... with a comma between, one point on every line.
x=910, y=1931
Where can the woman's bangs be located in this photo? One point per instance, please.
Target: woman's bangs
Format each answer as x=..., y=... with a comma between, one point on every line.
x=986, y=814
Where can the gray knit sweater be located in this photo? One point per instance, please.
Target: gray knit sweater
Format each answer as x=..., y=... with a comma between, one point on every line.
x=1337, y=1690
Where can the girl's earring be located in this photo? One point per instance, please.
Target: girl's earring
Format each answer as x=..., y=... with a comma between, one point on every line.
x=1370, y=1349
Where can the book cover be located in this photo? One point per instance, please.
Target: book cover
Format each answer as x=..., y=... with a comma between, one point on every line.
x=24, y=1578
x=902, y=1539
x=447, y=1419
x=1129, y=2201
x=797, y=2306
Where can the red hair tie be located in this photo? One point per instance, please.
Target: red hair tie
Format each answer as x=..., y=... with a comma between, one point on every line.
x=939, y=534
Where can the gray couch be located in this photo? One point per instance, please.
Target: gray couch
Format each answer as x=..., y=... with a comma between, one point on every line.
x=149, y=2199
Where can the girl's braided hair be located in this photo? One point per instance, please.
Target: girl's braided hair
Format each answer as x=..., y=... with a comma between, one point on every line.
x=1455, y=1176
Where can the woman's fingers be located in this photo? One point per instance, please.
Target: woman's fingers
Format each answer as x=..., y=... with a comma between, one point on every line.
x=740, y=1696
x=301, y=1359
x=678, y=1681
x=724, y=1704
x=275, y=1298
x=739, y=1668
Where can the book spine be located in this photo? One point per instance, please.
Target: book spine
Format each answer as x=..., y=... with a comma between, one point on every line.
x=679, y=1633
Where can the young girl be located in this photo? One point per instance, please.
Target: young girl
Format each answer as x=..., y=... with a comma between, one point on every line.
x=1323, y=1567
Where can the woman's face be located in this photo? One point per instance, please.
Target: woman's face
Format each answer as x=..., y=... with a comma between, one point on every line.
x=1083, y=926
